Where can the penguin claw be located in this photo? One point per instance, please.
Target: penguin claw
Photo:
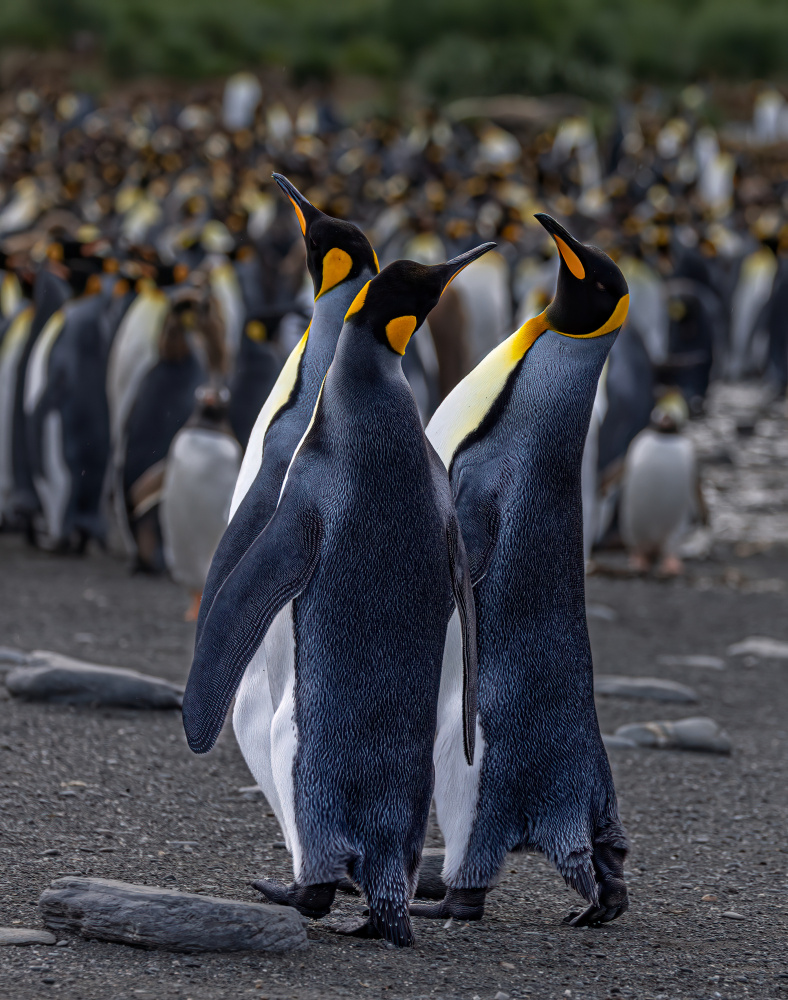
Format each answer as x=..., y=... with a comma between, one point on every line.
x=310, y=901
x=594, y=916
x=462, y=904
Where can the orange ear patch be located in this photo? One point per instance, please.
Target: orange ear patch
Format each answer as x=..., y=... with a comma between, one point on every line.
x=571, y=259
x=357, y=302
x=399, y=331
x=337, y=265
x=256, y=331
x=377, y=262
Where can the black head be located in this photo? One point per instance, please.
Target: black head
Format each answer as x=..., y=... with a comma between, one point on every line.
x=592, y=292
x=397, y=301
x=336, y=251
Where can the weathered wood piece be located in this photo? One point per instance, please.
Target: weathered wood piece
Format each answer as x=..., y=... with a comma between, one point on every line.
x=149, y=917
x=66, y=681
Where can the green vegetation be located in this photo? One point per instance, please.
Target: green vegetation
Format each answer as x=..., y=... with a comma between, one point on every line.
x=448, y=48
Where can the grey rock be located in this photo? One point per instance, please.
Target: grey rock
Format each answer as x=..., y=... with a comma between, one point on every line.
x=66, y=681
x=602, y=612
x=10, y=658
x=617, y=742
x=150, y=917
x=500, y=995
x=761, y=646
x=698, y=733
x=251, y=792
x=652, y=688
x=733, y=915
x=693, y=660
x=25, y=935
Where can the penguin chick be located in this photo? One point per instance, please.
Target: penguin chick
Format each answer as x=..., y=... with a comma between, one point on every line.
x=349, y=588
x=340, y=261
x=201, y=470
x=511, y=435
x=660, y=490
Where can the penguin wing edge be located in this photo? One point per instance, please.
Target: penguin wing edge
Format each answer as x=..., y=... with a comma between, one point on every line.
x=276, y=568
x=462, y=588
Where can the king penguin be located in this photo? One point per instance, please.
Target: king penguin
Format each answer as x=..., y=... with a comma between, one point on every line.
x=340, y=261
x=349, y=588
x=511, y=435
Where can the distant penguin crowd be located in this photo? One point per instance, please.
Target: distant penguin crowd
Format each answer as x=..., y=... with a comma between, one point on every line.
x=305, y=403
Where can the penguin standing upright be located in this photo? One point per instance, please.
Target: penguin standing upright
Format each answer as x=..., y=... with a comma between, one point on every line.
x=66, y=413
x=201, y=469
x=340, y=261
x=257, y=367
x=511, y=435
x=350, y=588
x=660, y=491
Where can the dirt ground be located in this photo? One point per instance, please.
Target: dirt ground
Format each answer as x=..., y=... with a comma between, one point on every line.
x=117, y=794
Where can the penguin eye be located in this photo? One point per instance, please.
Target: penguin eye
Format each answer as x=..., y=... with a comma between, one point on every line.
x=600, y=286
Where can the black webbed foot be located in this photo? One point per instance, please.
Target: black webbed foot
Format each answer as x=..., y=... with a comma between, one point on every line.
x=613, y=898
x=313, y=901
x=462, y=904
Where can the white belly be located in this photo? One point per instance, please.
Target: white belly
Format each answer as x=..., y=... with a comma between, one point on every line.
x=456, y=784
x=202, y=467
x=264, y=724
x=658, y=490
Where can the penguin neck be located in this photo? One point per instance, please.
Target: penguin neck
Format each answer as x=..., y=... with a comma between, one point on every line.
x=360, y=357
x=329, y=315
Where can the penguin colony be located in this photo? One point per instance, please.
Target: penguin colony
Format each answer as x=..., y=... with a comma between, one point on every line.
x=156, y=381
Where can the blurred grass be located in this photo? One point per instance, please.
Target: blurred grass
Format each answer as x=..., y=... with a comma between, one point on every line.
x=447, y=48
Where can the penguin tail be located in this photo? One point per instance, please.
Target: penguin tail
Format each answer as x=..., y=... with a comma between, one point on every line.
x=392, y=921
x=578, y=873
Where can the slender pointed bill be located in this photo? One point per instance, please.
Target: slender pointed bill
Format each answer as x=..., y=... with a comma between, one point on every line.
x=562, y=240
x=295, y=198
x=458, y=264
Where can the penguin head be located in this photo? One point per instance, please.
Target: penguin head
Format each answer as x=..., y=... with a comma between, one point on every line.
x=395, y=303
x=336, y=251
x=592, y=297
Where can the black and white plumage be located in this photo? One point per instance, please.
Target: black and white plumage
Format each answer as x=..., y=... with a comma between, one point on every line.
x=512, y=435
x=349, y=588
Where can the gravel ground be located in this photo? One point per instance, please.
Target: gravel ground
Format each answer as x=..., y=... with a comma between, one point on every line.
x=117, y=794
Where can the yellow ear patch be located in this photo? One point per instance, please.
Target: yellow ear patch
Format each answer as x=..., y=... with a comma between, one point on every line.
x=616, y=320
x=299, y=215
x=377, y=262
x=256, y=331
x=399, y=331
x=357, y=302
x=337, y=265
x=571, y=259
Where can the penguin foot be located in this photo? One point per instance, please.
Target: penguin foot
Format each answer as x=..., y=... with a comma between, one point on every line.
x=313, y=901
x=611, y=889
x=462, y=904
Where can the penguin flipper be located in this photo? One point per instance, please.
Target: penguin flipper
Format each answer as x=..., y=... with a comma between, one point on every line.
x=478, y=498
x=462, y=588
x=276, y=568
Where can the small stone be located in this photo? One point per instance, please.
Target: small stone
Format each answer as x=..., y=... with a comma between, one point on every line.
x=617, y=742
x=652, y=688
x=63, y=680
x=693, y=660
x=708, y=898
x=601, y=612
x=251, y=791
x=733, y=915
x=507, y=965
x=500, y=995
x=761, y=646
x=25, y=935
x=697, y=733
x=12, y=658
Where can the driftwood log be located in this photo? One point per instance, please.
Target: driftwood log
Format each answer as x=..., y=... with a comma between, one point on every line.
x=149, y=917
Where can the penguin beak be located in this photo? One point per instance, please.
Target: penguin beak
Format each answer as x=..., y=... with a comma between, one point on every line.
x=449, y=271
x=569, y=248
x=304, y=210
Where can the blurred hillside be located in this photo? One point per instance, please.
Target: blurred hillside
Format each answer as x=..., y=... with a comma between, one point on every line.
x=443, y=48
